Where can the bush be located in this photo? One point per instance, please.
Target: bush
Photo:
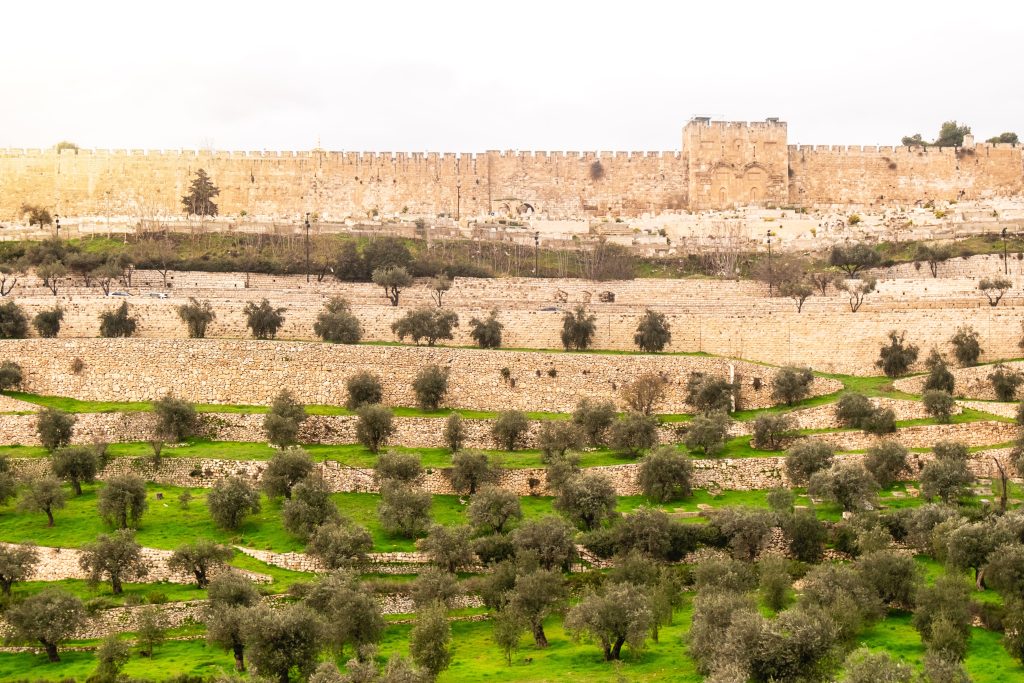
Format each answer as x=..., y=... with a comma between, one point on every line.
x=806, y=457
x=634, y=433
x=430, y=387
x=117, y=323
x=197, y=316
x=880, y=421
x=886, y=461
x=54, y=428
x=578, y=329
x=665, y=475
x=771, y=431
x=805, y=534
x=653, y=333
x=594, y=417
x=1005, y=382
x=263, y=320
x=10, y=375
x=486, y=333
x=283, y=421
x=709, y=394
x=645, y=392
x=510, y=429
x=708, y=433
x=230, y=501
x=430, y=324
x=176, y=419
x=939, y=404
x=13, y=321
x=47, y=323
x=896, y=357
x=966, y=348
x=364, y=388
x=454, y=432
x=790, y=385
x=337, y=324
x=374, y=426
x=852, y=409
x=947, y=476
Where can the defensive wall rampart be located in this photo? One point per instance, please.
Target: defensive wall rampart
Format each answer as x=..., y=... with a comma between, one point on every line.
x=720, y=165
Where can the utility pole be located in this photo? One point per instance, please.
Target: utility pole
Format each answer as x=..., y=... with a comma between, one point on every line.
x=771, y=278
x=307, y=246
x=56, y=218
x=536, y=254
x=1006, y=264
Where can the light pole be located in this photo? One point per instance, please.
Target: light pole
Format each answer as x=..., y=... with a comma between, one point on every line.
x=56, y=218
x=1006, y=264
x=771, y=279
x=536, y=254
x=307, y=246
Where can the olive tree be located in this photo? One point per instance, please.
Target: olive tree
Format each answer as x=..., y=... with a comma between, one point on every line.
x=43, y=494
x=176, y=419
x=49, y=618
x=966, y=347
x=403, y=510
x=790, y=384
x=17, y=563
x=536, y=595
x=471, y=469
x=886, y=461
x=665, y=475
x=263, y=319
x=430, y=386
x=708, y=433
x=285, y=418
x=428, y=324
x=340, y=544
x=653, y=333
x=286, y=469
x=897, y=356
x=309, y=507
x=492, y=509
x=337, y=324
x=54, y=428
x=486, y=333
x=510, y=429
x=76, y=465
x=594, y=418
x=197, y=316
x=848, y=484
x=634, y=433
x=374, y=426
x=618, y=616
x=351, y=614
x=231, y=594
x=282, y=641
x=364, y=388
x=550, y=539
x=393, y=279
x=588, y=500
x=231, y=500
x=122, y=500
x=578, y=329
x=644, y=393
x=430, y=640
x=199, y=558
x=448, y=546
x=116, y=557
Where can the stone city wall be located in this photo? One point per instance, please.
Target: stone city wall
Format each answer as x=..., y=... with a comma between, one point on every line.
x=253, y=372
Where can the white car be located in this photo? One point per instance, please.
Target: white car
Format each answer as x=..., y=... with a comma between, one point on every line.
x=157, y=295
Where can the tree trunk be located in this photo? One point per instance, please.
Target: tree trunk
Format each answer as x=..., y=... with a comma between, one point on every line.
x=539, y=637
x=77, y=486
x=115, y=585
x=979, y=578
x=51, y=651
x=5, y=585
x=201, y=578
x=239, y=651
x=49, y=516
x=607, y=653
x=617, y=648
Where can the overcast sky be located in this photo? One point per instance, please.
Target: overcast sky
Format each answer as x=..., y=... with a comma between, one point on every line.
x=474, y=76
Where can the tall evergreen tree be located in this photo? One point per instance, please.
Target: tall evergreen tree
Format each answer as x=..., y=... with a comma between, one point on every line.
x=199, y=200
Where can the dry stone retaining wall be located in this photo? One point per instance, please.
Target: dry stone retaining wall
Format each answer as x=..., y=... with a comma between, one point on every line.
x=970, y=382
x=253, y=372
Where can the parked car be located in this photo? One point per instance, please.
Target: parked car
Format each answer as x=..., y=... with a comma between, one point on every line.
x=157, y=295
x=119, y=294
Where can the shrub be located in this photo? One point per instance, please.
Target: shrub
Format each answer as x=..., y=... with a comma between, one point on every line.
x=337, y=324
x=594, y=417
x=197, y=316
x=578, y=329
x=430, y=387
x=47, y=323
x=13, y=321
x=771, y=431
x=880, y=421
x=486, y=333
x=634, y=433
x=231, y=500
x=364, y=388
x=54, y=428
x=709, y=394
x=122, y=500
x=665, y=475
x=10, y=375
x=939, y=404
x=176, y=419
x=430, y=324
x=117, y=323
x=947, y=476
x=708, y=433
x=454, y=432
x=896, y=357
x=653, y=333
x=939, y=376
x=374, y=426
x=886, y=461
x=1005, y=382
x=850, y=485
x=805, y=534
x=284, y=419
x=645, y=392
x=510, y=429
x=966, y=348
x=263, y=320
x=790, y=385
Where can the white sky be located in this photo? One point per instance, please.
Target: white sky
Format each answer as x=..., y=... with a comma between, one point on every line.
x=474, y=76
